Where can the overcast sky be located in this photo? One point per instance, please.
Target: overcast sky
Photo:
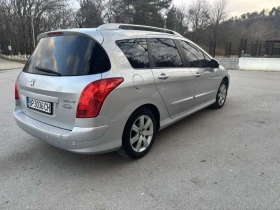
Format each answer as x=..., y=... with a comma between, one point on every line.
x=238, y=7
x=235, y=7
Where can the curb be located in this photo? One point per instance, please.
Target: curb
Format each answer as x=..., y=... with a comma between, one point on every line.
x=11, y=69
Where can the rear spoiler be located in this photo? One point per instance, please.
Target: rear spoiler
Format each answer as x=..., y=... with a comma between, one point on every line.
x=91, y=32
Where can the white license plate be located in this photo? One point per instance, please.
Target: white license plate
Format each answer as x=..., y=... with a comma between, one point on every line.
x=41, y=106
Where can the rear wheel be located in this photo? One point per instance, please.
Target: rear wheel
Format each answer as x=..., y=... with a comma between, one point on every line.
x=221, y=96
x=139, y=134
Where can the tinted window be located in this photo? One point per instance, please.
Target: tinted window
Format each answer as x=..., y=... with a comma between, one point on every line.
x=136, y=51
x=195, y=56
x=70, y=55
x=165, y=53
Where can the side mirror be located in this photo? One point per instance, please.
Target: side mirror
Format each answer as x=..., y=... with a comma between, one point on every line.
x=214, y=63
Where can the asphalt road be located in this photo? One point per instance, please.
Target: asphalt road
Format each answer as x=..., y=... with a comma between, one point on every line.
x=214, y=159
x=8, y=65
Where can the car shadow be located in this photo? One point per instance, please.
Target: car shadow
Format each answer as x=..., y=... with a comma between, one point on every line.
x=41, y=156
x=112, y=159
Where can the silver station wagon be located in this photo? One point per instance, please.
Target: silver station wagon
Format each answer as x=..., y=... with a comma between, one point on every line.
x=112, y=88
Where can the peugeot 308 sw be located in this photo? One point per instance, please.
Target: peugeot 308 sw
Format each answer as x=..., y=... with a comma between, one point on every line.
x=112, y=88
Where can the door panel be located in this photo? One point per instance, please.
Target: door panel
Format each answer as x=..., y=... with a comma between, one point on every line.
x=174, y=82
x=205, y=77
x=205, y=84
x=177, y=90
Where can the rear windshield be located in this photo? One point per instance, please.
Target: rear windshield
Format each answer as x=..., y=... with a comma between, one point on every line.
x=70, y=55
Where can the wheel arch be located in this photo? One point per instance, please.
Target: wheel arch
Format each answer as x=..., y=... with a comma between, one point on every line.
x=153, y=109
x=226, y=79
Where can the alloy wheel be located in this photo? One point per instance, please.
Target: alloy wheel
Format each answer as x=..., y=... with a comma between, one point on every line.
x=141, y=133
x=222, y=94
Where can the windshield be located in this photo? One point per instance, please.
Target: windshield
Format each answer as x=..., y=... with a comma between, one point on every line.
x=70, y=55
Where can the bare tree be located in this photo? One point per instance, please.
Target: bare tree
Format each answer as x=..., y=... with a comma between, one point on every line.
x=198, y=17
x=199, y=21
x=260, y=30
x=218, y=13
x=17, y=16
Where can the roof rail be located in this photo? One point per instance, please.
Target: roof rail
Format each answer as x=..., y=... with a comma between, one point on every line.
x=116, y=26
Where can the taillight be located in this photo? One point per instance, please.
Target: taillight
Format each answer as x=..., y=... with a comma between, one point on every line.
x=93, y=96
x=16, y=92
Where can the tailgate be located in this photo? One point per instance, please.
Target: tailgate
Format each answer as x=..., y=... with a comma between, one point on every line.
x=62, y=92
x=61, y=66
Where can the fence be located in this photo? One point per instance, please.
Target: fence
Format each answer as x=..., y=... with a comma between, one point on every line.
x=269, y=48
x=246, y=48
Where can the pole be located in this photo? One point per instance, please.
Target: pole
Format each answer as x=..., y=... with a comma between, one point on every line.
x=272, y=48
x=32, y=25
x=214, y=49
x=260, y=49
x=229, y=49
x=165, y=17
x=33, y=34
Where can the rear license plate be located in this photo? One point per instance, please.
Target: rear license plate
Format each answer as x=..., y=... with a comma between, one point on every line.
x=41, y=106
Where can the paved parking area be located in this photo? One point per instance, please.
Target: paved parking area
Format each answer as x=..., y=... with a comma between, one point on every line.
x=214, y=159
x=6, y=64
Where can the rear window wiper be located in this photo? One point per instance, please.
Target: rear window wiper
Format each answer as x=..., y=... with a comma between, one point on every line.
x=47, y=70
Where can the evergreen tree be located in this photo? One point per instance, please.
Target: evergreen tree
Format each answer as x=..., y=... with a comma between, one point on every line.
x=176, y=20
x=90, y=13
x=148, y=12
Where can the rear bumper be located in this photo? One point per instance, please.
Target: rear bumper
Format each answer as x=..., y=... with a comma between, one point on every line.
x=79, y=140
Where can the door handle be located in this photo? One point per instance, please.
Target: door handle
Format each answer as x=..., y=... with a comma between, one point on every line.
x=197, y=74
x=163, y=76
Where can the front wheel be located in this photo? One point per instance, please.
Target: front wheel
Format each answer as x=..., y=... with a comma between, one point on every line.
x=139, y=134
x=221, y=96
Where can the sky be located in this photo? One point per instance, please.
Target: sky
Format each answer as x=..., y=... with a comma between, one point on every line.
x=239, y=7
x=235, y=7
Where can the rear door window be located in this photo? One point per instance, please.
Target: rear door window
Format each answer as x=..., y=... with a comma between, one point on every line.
x=69, y=55
x=136, y=51
x=165, y=53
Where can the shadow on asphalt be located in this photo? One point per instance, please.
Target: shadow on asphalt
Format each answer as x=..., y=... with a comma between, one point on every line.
x=113, y=157
x=39, y=155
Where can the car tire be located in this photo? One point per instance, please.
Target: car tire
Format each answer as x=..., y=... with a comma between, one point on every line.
x=139, y=134
x=221, y=96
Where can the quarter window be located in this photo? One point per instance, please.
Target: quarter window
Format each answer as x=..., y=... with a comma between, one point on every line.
x=165, y=53
x=194, y=56
x=136, y=51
